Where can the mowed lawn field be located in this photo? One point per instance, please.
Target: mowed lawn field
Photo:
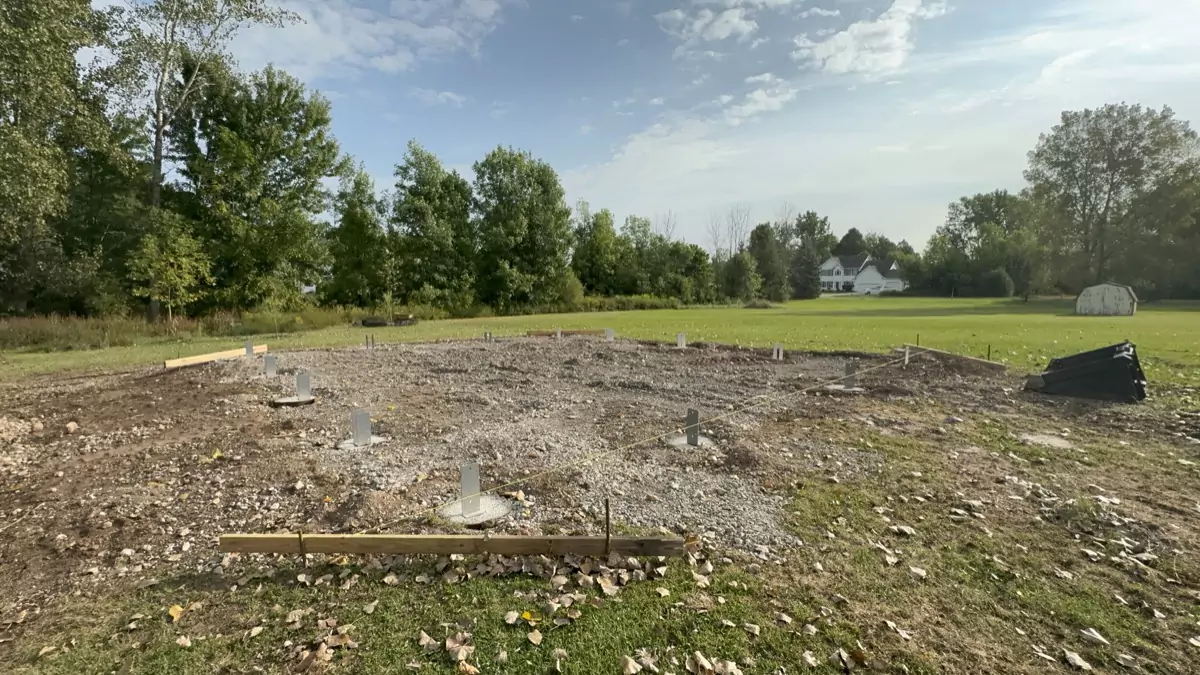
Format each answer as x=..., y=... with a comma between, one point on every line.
x=1023, y=334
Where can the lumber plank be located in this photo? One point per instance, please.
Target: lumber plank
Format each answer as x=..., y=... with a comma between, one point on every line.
x=398, y=544
x=996, y=365
x=213, y=356
x=566, y=333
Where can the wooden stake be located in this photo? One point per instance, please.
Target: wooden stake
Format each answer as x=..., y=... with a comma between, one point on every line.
x=436, y=544
x=208, y=358
x=607, y=530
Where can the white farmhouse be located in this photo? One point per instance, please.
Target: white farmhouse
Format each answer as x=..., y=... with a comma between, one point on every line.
x=1106, y=299
x=877, y=276
x=837, y=273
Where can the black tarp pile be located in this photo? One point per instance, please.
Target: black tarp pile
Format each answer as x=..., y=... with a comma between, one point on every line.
x=1108, y=374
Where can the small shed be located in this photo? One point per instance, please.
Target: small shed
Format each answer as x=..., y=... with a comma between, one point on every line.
x=1107, y=299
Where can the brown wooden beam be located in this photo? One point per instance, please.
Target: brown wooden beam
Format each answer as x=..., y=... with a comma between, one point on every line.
x=916, y=350
x=445, y=544
x=214, y=356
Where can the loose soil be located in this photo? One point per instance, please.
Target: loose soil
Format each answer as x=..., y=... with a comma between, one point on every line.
x=118, y=481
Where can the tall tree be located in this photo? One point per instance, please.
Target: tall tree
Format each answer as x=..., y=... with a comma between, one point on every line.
x=358, y=257
x=814, y=230
x=1094, y=169
x=741, y=279
x=595, y=258
x=851, y=243
x=42, y=94
x=806, y=272
x=433, y=237
x=254, y=154
x=524, y=229
x=966, y=218
x=879, y=246
x=771, y=261
x=169, y=266
x=162, y=37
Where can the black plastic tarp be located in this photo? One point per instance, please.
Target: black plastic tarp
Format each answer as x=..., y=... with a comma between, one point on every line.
x=1107, y=374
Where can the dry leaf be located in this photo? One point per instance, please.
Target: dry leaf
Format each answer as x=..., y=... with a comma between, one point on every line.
x=629, y=666
x=391, y=580
x=175, y=612
x=467, y=669
x=810, y=660
x=512, y=617
x=700, y=579
x=1076, y=660
x=727, y=623
x=1063, y=574
x=727, y=668
x=502, y=657
x=809, y=629
x=183, y=641
x=46, y=650
x=662, y=592
x=1195, y=641
x=255, y=631
x=890, y=559
x=918, y=572
x=903, y=529
x=370, y=607
x=899, y=631
x=1093, y=635
x=426, y=642
x=698, y=664
x=535, y=637
x=1126, y=660
x=783, y=618
x=752, y=629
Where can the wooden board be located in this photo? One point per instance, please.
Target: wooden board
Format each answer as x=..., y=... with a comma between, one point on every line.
x=397, y=544
x=915, y=350
x=566, y=333
x=214, y=356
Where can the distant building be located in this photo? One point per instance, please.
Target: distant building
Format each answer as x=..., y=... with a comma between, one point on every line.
x=1106, y=299
x=878, y=276
x=837, y=273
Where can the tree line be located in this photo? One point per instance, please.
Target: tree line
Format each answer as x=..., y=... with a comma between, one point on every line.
x=160, y=175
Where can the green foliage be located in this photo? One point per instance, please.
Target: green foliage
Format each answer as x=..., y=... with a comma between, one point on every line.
x=771, y=262
x=994, y=284
x=356, y=246
x=741, y=279
x=523, y=228
x=806, y=273
x=851, y=243
x=170, y=265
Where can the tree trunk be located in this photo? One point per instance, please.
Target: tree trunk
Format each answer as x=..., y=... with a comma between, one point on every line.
x=156, y=169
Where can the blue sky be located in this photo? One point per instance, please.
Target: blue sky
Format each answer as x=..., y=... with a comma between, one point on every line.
x=877, y=113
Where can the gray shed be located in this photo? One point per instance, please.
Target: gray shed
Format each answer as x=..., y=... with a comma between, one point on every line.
x=1107, y=299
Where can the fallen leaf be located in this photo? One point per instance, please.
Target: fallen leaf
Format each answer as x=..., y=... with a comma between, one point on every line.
x=629, y=666
x=46, y=650
x=183, y=641
x=918, y=572
x=175, y=612
x=1126, y=660
x=391, y=580
x=1194, y=641
x=662, y=592
x=1093, y=635
x=535, y=637
x=903, y=529
x=502, y=657
x=255, y=631
x=1076, y=660
x=783, y=618
x=899, y=631
x=810, y=660
x=698, y=664
x=428, y=643
x=1063, y=574
x=467, y=669
x=700, y=579
x=727, y=623
x=512, y=617
x=369, y=608
x=890, y=559
x=752, y=629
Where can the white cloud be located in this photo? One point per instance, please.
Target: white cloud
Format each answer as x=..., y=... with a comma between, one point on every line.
x=706, y=26
x=658, y=101
x=621, y=103
x=764, y=77
x=433, y=97
x=817, y=11
x=758, y=42
x=586, y=129
x=902, y=147
x=338, y=38
x=576, y=18
x=622, y=42
x=871, y=47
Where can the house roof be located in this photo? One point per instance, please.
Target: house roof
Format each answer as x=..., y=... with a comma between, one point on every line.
x=886, y=267
x=853, y=261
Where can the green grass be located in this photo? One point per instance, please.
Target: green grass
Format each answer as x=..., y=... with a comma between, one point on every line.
x=1025, y=335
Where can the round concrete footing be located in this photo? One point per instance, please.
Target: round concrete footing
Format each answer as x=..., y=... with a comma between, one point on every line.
x=348, y=444
x=491, y=510
x=292, y=401
x=680, y=442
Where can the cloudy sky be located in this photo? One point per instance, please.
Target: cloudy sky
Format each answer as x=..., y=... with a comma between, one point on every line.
x=877, y=113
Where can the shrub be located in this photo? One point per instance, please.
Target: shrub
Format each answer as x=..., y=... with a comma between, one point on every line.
x=995, y=284
x=758, y=304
